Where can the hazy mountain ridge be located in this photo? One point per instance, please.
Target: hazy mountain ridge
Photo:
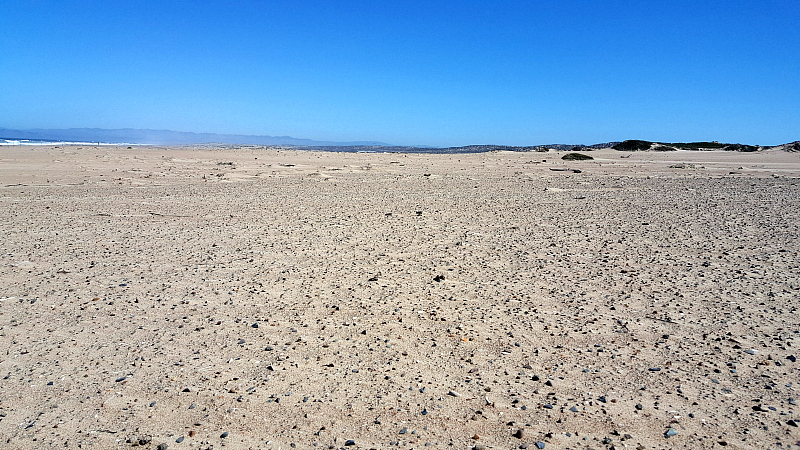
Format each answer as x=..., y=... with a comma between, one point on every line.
x=162, y=137
x=169, y=137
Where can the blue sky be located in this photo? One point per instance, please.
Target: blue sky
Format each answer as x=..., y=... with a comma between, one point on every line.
x=408, y=72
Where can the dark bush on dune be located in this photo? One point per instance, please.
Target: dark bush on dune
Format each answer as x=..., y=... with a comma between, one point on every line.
x=632, y=146
x=576, y=157
x=664, y=148
x=741, y=148
x=698, y=145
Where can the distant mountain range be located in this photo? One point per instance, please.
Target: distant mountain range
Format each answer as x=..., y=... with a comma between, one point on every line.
x=168, y=137
x=162, y=137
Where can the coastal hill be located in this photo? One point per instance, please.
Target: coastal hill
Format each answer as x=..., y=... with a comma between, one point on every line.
x=133, y=136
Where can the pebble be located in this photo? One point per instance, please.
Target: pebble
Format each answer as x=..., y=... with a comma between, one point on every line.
x=654, y=369
x=179, y=440
x=349, y=442
x=574, y=409
x=751, y=351
x=224, y=435
x=453, y=393
x=121, y=379
x=539, y=444
x=404, y=430
x=163, y=446
x=671, y=432
x=519, y=433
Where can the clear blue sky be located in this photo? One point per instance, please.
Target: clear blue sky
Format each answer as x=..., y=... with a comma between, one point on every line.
x=408, y=72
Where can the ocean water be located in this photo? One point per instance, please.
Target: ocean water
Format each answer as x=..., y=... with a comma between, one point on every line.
x=42, y=142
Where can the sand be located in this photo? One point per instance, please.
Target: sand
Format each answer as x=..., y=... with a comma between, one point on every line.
x=290, y=299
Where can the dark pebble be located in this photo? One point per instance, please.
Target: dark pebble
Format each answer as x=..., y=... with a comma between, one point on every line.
x=121, y=379
x=404, y=430
x=255, y=325
x=224, y=435
x=518, y=434
x=639, y=406
x=539, y=444
x=349, y=442
x=574, y=409
x=179, y=440
x=791, y=423
x=654, y=369
x=163, y=446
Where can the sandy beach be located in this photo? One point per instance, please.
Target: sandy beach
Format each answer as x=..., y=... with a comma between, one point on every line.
x=273, y=298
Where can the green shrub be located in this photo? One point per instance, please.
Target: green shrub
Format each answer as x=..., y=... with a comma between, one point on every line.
x=632, y=146
x=576, y=157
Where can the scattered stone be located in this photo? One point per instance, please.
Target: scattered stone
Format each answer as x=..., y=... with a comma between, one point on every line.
x=349, y=442
x=223, y=435
x=179, y=440
x=671, y=432
x=539, y=445
x=453, y=394
x=163, y=446
x=519, y=433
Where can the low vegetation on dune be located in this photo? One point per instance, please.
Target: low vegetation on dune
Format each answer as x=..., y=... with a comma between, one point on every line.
x=576, y=157
x=634, y=145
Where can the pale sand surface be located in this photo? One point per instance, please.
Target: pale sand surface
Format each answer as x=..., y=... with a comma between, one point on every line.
x=290, y=299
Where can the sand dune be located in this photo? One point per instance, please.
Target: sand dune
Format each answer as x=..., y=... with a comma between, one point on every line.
x=265, y=298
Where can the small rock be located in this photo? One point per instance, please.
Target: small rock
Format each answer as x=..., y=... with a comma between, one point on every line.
x=404, y=430
x=453, y=394
x=639, y=406
x=574, y=409
x=179, y=440
x=349, y=442
x=791, y=423
x=163, y=446
x=791, y=358
x=519, y=433
x=671, y=432
x=255, y=325
x=654, y=369
x=121, y=379
x=539, y=444
x=751, y=351
x=224, y=435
